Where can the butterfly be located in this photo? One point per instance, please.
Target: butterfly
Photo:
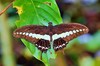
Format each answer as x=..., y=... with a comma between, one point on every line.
x=42, y=36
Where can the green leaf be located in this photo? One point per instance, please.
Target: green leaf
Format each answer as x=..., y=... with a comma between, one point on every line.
x=38, y=12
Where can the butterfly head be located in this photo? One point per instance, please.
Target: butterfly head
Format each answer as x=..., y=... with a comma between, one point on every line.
x=50, y=24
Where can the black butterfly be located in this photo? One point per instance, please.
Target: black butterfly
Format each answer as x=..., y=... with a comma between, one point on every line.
x=42, y=36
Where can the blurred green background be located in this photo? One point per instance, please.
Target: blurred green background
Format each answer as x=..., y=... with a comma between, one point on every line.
x=82, y=51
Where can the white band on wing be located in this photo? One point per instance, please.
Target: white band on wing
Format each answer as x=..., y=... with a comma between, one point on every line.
x=65, y=34
x=33, y=35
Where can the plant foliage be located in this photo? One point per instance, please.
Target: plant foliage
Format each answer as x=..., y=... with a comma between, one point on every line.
x=38, y=12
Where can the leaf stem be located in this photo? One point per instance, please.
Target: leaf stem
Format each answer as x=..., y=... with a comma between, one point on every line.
x=5, y=8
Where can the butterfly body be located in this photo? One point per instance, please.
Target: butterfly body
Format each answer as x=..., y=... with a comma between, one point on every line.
x=41, y=36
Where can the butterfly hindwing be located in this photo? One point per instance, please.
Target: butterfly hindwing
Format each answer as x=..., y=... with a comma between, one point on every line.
x=59, y=44
x=43, y=45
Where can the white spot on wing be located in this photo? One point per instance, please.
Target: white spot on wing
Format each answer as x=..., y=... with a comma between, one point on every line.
x=39, y=46
x=27, y=34
x=60, y=46
x=17, y=33
x=36, y=44
x=24, y=33
x=63, y=45
x=46, y=48
x=83, y=29
x=43, y=47
x=57, y=47
x=77, y=30
x=20, y=32
x=74, y=31
x=80, y=29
